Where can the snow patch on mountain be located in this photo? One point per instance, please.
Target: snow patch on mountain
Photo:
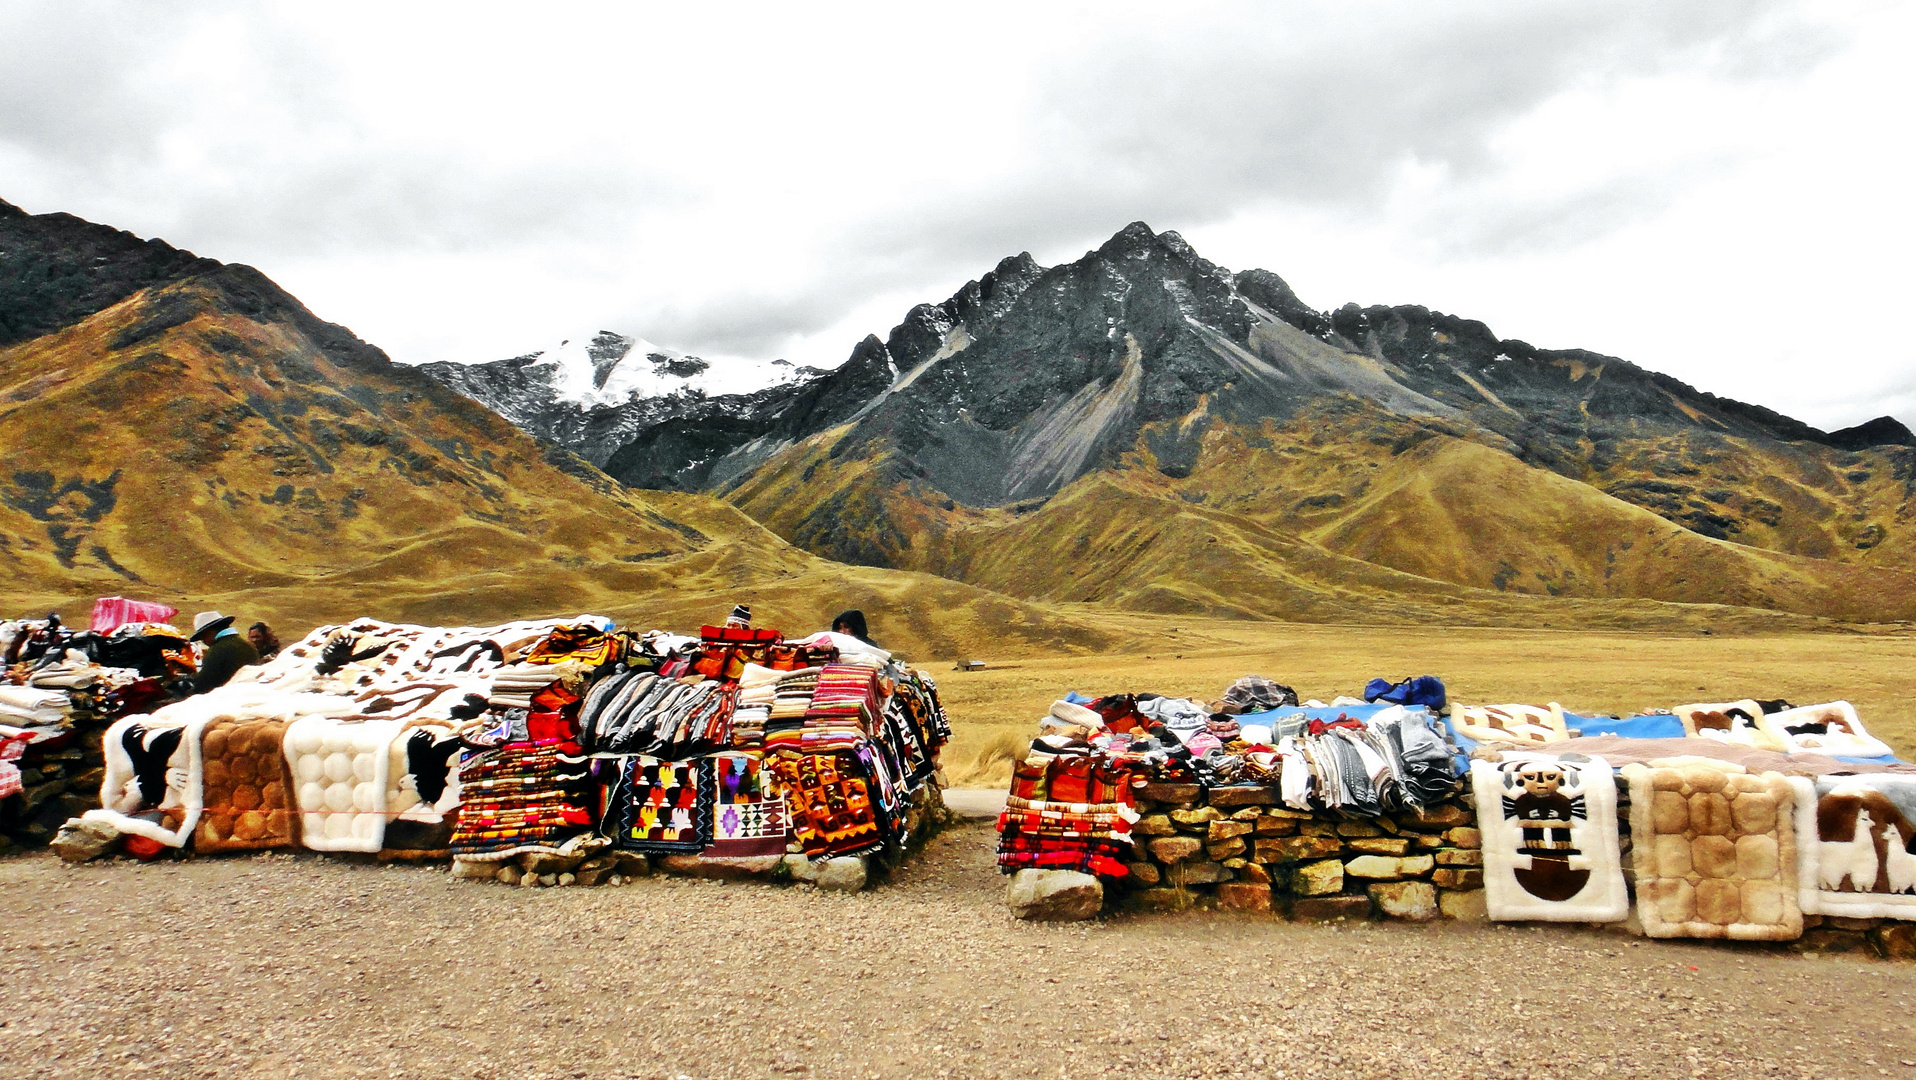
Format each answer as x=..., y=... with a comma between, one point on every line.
x=608, y=369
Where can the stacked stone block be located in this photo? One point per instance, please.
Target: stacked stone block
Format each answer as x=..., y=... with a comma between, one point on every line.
x=1239, y=848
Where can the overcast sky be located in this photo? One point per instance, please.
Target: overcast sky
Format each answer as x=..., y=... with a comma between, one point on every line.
x=1720, y=191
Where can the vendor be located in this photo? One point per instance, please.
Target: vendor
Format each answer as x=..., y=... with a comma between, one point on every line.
x=226, y=653
x=265, y=642
x=852, y=623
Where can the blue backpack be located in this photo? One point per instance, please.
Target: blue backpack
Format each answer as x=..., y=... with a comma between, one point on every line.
x=1425, y=690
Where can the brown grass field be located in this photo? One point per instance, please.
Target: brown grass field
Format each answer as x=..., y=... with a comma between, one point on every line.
x=995, y=712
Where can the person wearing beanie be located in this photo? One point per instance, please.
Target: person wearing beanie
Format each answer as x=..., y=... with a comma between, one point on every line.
x=226, y=652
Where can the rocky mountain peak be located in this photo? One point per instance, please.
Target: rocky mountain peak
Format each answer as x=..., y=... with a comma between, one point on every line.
x=1882, y=431
x=60, y=269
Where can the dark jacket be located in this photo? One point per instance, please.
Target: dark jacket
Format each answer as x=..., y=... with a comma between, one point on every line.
x=223, y=658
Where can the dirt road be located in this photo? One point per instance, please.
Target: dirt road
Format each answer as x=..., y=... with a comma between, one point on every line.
x=301, y=966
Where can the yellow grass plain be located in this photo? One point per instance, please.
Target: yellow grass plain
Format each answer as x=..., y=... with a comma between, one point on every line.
x=995, y=712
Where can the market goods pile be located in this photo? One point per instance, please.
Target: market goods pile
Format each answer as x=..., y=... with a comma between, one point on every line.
x=548, y=752
x=1745, y=820
x=59, y=689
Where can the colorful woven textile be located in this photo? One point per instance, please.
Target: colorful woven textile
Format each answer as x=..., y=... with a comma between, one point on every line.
x=584, y=644
x=830, y=797
x=659, y=807
x=1067, y=813
x=749, y=815
x=112, y=612
x=519, y=796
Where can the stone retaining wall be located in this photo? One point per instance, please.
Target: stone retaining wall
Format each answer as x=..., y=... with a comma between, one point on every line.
x=57, y=784
x=1241, y=849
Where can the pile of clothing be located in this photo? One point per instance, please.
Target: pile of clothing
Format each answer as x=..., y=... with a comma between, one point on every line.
x=59, y=689
x=1071, y=803
x=557, y=737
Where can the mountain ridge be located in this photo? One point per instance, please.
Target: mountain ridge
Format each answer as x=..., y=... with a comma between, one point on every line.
x=1142, y=355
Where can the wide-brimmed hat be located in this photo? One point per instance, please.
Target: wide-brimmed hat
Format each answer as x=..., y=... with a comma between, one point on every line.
x=209, y=622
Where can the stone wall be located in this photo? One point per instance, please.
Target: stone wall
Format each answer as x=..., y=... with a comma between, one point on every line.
x=1241, y=849
x=59, y=781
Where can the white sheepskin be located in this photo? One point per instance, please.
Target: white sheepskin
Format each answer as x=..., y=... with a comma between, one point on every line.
x=1845, y=737
x=1604, y=897
x=1840, y=876
x=1532, y=724
x=342, y=781
x=1704, y=721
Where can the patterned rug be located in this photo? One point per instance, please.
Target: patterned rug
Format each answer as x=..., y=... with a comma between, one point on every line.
x=659, y=807
x=1856, y=846
x=1550, y=840
x=749, y=815
x=1715, y=853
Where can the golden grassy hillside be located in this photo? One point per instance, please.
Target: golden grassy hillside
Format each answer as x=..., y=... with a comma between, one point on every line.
x=995, y=712
x=1350, y=514
x=212, y=444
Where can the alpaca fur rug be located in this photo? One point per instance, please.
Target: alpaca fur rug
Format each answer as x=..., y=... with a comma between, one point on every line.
x=1739, y=722
x=342, y=771
x=1832, y=728
x=246, y=791
x=423, y=796
x=1856, y=846
x=1550, y=839
x=1715, y=853
x=1520, y=724
x=153, y=782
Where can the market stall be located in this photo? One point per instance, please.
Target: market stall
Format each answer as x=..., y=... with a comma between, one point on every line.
x=553, y=752
x=1747, y=820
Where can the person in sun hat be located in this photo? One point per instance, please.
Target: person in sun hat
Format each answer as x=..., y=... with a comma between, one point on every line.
x=226, y=652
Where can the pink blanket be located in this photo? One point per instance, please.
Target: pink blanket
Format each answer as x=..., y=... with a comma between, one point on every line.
x=112, y=612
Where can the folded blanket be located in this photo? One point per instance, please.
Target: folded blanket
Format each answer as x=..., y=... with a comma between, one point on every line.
x=1856, y=846
x=1832, y=728
x=518, y=797
x=341, y=770
x=247, y=789
x=153, y=783
x=1715, y=853
x=1550, y=841
x=27, y=705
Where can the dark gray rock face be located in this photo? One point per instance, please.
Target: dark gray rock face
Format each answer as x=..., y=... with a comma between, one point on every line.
x=1029, y=377
x=1882, y=431
x=56, y=269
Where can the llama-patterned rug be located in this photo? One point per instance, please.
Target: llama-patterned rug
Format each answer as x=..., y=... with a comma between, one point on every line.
x=1831, y=728
x=1528, y=725
x=1739, y=722
x=1550, y=839
x=1715, y=853
x=1856, y=846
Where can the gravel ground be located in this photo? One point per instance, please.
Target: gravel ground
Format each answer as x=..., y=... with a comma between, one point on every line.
x=305, y=966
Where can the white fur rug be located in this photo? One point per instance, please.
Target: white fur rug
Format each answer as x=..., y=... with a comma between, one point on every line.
x=1856, y=846
x=1550, y=839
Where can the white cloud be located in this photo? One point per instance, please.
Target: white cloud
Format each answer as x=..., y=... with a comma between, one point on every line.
x=1708, y=189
